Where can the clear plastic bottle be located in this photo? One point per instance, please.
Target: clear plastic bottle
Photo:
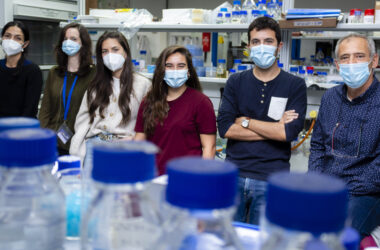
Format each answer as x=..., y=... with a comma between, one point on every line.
x=69, y=177
x=221, y=69
x=137, y=66
x=302, y=73
x=309, y=78
x=122, y=213
x=227, y=17
x=237, y=62
x=31, y=202
x=319, y=57
x=219, y=18
x=262, y=5
x=254, y=14
x=249, y=5
x=243, y=16
x=272, y=10
x=199, y=216
x=294, y=70
x=143, y=60
x=241, y=68
x=304, y=212
x=236, y=12
x=18, y=122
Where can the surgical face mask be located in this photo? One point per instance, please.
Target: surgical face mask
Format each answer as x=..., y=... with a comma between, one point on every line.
x=11, y=47
x=355, y=74
x=70, y=47
x=263, y=55
x=175, y=78
x=113, y=61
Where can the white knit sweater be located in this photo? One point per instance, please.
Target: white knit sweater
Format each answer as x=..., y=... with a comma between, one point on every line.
x=110, y=124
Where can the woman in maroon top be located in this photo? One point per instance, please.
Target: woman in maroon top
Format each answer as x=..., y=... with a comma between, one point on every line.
x=175, y=115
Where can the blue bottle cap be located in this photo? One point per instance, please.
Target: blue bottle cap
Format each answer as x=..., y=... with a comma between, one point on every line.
x=237, y=60
x=232, y=71
x=124, y=162
x=309, y=202
x=220, y=14
x=137, y=63
x=310, y=71
x=271, y=5
x=196, y=183
x=293, y=69
x=133, y=60
x=243, y=12
x=18, y=122
x=302, y=71
x=262, y=12
x=68, y=161
x=242, y=67
x=235, y=13
x=228, y=15
x=350, y=239
x=255, y=12
x=237, y=2
x=30, y=147
x=223, y=9
x=222, y=61
x=142, y=52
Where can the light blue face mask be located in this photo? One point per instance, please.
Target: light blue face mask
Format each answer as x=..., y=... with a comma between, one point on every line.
x=355, y=74
x=70, y=47
x=263, y=55
x=175, y=78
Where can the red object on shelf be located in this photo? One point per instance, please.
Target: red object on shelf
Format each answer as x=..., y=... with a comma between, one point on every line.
x=369, y=12
x=206, y=41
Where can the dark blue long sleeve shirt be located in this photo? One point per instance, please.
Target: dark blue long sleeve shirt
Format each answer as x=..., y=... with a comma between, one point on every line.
x=346, y=139
x=245, y=95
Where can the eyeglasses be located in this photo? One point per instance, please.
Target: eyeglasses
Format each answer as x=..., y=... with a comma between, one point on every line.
x=343, y=154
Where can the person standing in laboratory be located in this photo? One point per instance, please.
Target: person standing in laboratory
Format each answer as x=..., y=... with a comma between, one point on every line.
x=66, y=83
x=109, y=107
x=176, y=115
x=346, y=136
x=21, y=80
x=262, y=111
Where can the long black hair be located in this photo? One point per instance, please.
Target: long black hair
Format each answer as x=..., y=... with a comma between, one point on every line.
x=25, y=32
x=100, y=88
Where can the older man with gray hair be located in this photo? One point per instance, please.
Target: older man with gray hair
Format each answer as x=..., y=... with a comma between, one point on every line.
x=346, y=136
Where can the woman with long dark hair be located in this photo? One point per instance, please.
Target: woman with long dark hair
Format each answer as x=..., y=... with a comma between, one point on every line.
x=66, y=83
x=21, y=80
x=109, y=108
x=176, y=115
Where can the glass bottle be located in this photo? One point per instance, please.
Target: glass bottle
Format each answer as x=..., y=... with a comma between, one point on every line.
x=31, y=202
x=221, y=69
x=199, y=216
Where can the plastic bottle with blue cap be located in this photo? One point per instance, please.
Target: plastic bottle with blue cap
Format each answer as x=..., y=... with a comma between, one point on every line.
x=304, y=212
x=200, y=204
x=122, y=215
x=18, y=122
x=69, y=177
x=31, y=202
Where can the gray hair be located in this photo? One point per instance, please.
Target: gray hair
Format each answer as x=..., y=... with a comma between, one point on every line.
x=370, y=43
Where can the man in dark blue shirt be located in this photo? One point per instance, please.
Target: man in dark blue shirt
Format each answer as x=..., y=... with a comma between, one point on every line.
x=346, y=136
x=262, y=111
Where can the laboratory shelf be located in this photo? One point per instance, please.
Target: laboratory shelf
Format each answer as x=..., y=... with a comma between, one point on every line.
x=157, y=27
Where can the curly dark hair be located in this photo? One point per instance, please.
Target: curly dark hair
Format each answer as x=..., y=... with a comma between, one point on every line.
x=265, y=23
x=155, y=106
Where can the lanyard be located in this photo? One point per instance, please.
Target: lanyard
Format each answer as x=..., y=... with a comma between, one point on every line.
x=66, y=107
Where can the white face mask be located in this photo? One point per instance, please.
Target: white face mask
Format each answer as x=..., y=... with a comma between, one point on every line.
x=11, y=47
x=113, y=61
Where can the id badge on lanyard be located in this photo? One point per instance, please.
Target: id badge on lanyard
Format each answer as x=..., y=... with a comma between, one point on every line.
x=64, y=133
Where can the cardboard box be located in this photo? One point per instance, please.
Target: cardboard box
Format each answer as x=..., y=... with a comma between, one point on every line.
x=308, y=23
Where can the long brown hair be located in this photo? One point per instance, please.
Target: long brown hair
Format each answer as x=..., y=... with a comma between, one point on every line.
x=156, y=106
x=100, y=89
x=85, y=50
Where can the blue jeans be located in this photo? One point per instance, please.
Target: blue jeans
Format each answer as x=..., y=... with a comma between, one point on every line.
x=252, y=200
x=365, y=213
